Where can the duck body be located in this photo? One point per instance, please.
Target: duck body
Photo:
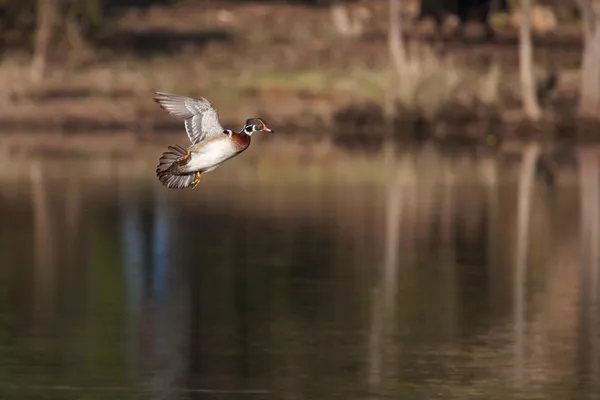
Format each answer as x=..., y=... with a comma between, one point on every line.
x=212, y=145
x=208, y=155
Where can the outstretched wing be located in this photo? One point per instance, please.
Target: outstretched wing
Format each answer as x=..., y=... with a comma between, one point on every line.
x=200, y=118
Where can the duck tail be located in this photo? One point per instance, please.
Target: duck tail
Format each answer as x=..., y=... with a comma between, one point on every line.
x=169, y=171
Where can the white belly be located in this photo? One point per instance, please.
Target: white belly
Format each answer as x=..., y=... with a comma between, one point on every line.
x=211, y=155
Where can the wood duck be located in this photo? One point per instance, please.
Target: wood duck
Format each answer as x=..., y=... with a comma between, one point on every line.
x=211, y=145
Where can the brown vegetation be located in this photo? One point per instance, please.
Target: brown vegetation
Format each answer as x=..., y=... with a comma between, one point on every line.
x=287, y=62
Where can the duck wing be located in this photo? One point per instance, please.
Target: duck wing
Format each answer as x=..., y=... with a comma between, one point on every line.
x=201, y=120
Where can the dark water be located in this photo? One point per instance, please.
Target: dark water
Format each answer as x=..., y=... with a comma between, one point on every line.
x=112, y=289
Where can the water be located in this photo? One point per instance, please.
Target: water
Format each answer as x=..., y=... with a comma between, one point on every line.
x=116, y=288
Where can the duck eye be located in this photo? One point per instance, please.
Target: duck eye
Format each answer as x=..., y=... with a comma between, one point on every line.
x=258, y=127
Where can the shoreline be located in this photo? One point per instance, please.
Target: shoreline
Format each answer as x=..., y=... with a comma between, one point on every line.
x=279, y=163
x=354, y=129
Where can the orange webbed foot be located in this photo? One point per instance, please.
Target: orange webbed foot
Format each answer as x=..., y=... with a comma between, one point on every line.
x=185, y=157
x=196, y=181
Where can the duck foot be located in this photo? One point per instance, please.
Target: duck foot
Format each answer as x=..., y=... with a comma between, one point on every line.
x=196, y=181
x=185, y=157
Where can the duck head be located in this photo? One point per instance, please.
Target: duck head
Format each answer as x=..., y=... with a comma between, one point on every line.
x=255, y=125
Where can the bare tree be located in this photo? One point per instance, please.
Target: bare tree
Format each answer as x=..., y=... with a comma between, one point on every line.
x=46, y=16
x=398, y=57
x=589, y=103
x=528, y=91
x=348, y=24
x=395, y=42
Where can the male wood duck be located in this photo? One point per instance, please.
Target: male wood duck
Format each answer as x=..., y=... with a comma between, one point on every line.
x=211, y=145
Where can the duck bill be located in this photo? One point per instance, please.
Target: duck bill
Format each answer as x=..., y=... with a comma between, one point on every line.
x=267, y=130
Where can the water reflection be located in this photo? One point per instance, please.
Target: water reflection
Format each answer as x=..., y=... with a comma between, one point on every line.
x=157, y=293
x=530, y=156
x=460, y=277
x=588, y=340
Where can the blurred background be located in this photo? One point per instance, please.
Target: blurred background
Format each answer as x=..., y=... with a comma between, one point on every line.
x=423, y=223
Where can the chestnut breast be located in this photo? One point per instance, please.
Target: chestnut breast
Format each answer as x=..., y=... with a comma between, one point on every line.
x=241, y=141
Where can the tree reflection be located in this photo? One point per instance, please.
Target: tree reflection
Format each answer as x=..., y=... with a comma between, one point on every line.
x=171, y=302
x=589, y=346
x=158, y=325
x=44, y=243
x=525, y=193
x=382, y=345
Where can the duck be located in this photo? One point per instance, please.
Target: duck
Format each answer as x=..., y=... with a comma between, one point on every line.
x=211, y=144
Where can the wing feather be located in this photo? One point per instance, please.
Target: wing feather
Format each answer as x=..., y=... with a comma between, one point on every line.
x=201, y=120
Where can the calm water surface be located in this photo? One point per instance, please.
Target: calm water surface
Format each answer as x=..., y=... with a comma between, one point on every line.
x=280, y=291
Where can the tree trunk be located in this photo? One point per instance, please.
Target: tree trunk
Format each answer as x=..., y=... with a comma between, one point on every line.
x=397, y=52
x=395, y=42
x=589, y=102
x=46, y=15
x=344, y=23
x=528, y=92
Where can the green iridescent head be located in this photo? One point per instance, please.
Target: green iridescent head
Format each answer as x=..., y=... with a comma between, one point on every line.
x=255, y=125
